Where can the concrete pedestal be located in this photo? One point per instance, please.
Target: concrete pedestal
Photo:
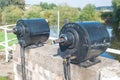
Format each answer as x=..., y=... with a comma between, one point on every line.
x=42, y=64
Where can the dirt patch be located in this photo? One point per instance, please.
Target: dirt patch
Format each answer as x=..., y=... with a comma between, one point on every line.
x=2, y=57
x=6, y=69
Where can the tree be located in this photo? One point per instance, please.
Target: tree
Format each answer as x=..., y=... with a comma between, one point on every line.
x=68, y=13
x=89, y=13
x=11, y=14
x=19, y=3
x=33, y=12
x=45, y=5
x=105, y=15
x=116, y=17
x=3, y=3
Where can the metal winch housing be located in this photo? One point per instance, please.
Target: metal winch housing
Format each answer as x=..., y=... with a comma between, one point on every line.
x=32, y=31
x=83, y=40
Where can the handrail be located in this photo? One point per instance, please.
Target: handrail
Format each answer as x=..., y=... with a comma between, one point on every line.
x=114, y=51
x=5, y=28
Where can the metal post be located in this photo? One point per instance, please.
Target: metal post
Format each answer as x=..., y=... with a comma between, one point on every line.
x=22, y=50
x=58, y=22
x=6, y=44
x=67, y=72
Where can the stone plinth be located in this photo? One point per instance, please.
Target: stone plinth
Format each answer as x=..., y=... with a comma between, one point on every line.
x=42, y=64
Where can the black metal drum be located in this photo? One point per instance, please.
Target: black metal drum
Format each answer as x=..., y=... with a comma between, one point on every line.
x=83, y=40
x=32, y=31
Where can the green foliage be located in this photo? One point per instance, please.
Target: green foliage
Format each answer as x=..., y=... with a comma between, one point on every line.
x=53, y=17
x=11, y=14
x=116, y=45
x=116, y=17
x=45, y=5
x=19, y=3
x=1, y=36
x=105, y=15
x=0, y=17
x=66, y=12
x=33, y=12
x=4, y=3
x=48, y=11
x=89, y=13
x=47, y=14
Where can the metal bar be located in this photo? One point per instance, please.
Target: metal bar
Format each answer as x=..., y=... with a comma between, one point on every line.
x=6, y=45
x=10, y=31
x=6, y=40
x=114, y=51
x=5, y=28
x=66, y=66
x=2, y=28
x=58, y=22
x=23, y=63
x=8, y=25
x=2, y=44
x=60, y=40
x=9, y=48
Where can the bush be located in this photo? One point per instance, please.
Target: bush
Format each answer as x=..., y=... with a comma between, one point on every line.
x=33, y=12
x=11, y=14
x=89, y=13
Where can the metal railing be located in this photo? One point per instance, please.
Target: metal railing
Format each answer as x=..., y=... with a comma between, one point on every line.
x=5, y=43
x=114, y=51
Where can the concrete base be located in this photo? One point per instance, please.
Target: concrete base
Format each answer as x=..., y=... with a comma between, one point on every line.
x=42, y=64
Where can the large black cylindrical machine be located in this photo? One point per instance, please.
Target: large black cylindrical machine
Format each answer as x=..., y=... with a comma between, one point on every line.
x=32, y=31
x=83, y=40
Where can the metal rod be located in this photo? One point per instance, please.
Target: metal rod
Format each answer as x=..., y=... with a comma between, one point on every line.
x=6, y=45
x=10, y=31
x=67, y=72
x=23, y=63
x=60, y=40
x=58, y=22
x=114, y=51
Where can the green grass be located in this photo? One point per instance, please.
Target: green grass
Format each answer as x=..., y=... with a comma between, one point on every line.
x=115, y=44
x=3, y=78
x=10, y=36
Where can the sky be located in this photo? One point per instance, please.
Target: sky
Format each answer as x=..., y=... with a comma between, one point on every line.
x=73, y=3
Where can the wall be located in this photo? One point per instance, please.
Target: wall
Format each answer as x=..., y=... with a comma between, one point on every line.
x=43, y=64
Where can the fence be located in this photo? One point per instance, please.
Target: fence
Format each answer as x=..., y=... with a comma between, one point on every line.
x=5, y=43
x=114, y=51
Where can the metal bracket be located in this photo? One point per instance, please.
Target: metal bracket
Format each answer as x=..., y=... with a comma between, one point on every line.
x=89, y=62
